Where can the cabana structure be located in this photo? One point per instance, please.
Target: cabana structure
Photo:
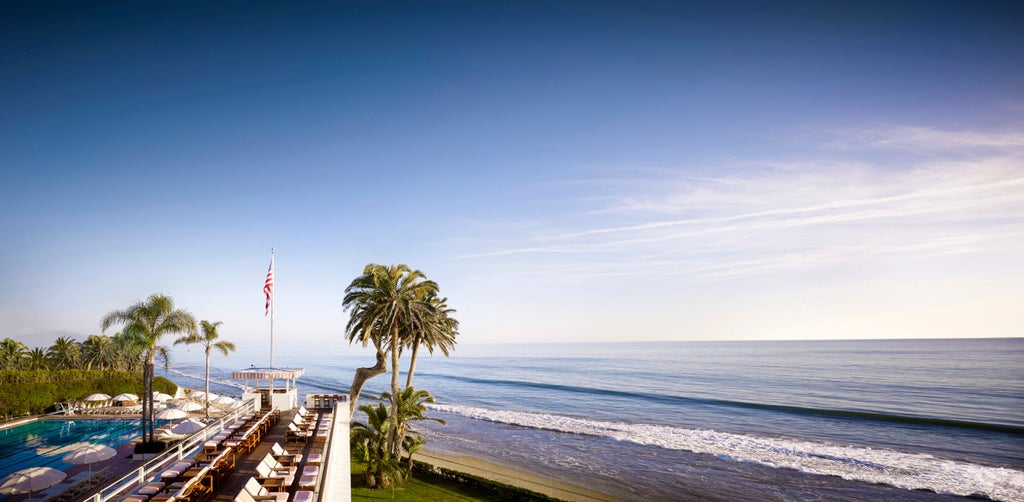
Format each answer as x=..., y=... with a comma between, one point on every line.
x=281, y=394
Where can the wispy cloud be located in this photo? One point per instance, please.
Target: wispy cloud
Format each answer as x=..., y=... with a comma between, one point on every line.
x=964, y=194
x=924, y=139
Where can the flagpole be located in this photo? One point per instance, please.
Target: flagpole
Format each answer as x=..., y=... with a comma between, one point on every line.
x=272, y=313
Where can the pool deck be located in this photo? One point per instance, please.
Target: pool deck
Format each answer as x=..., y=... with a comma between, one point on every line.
x=225, y=491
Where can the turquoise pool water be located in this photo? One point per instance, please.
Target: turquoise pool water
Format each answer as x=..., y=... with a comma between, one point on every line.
x=44, y=442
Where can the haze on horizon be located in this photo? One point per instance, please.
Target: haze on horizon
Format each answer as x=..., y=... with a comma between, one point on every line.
x=570, y=171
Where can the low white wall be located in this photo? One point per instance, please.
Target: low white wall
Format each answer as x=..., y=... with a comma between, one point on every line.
x=337, y=485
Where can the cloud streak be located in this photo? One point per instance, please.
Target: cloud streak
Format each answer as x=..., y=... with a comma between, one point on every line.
x=964, y=195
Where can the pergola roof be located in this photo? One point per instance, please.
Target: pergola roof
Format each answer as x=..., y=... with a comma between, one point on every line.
x=261, y=373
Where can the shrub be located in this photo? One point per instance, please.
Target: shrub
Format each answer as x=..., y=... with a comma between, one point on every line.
x=37, y=391
x=161, y=384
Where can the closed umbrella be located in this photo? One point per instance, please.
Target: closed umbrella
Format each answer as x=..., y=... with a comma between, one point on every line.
x=189, y=406
x=30, y=480
x=89, y=454
x=190, y=426
x=170, y=414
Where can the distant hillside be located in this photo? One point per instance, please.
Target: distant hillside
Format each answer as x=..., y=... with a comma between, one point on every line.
x=46, y=339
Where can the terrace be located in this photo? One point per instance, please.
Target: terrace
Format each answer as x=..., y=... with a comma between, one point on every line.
x=248, y=455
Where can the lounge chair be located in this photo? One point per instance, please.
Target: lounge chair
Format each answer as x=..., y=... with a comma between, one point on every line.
x=258, y=492
x=283, y=456
x=296, y=435
x=266, y=476
x=277, y=467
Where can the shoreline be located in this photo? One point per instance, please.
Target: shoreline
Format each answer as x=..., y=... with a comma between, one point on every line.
x=513, y=476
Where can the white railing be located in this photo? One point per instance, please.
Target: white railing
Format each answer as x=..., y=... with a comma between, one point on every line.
x=183, y=449
x=337, y=481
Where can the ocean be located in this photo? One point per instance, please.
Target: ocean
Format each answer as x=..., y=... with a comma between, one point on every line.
x=772, y=420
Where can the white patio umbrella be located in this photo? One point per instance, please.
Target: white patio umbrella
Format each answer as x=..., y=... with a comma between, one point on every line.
x=189, y=406
x=89, y=454
x=30, y=480
x=126, y=397
x=97, y=397
x=223, y=400
x=170, y=414
x=190, y=426
x=161, y=397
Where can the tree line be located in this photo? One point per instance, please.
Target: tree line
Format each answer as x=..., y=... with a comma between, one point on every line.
x=135, y=349
x=97, y=352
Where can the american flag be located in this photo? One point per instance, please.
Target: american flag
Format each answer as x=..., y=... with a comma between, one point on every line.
x=268, y=287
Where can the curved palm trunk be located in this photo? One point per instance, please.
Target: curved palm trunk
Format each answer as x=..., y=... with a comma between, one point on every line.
x=412, y=363
x=362, y=375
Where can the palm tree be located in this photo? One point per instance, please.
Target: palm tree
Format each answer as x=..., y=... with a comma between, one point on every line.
x=370, y=440
x=208, y=339
x=98, y=352
x=439, y=331
x=12, y=354
x=386, y=301
x=64, y=354
x=37, y=360
x=127, y=355
x=143, y=325
x=412, y=406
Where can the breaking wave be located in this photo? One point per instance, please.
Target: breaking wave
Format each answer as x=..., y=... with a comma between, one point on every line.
x=903, y=470
x=213, y=379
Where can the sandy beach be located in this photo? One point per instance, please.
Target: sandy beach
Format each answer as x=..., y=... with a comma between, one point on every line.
x=511, y=476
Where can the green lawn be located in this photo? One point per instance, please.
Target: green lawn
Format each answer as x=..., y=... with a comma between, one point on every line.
x=424, y=486
x=417, y=489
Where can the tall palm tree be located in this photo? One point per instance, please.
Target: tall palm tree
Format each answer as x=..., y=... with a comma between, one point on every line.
x=37, y=360
x=98, y=352
x=437, y=331
x=143, y=324
x=65, y=353
x=208, y=338
x=12, y=354
x=386, y=301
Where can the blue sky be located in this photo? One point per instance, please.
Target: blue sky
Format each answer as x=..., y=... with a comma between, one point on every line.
x=566, y=171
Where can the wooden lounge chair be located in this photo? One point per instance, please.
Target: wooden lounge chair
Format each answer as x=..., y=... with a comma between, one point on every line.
x=284, y=456
x=258, y=492
x=267, y=476
x=295, y=435
x=277, y=467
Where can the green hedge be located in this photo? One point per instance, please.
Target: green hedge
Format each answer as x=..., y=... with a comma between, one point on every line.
x=38, y=391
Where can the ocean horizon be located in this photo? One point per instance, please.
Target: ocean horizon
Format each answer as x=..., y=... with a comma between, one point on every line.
x=911, y=419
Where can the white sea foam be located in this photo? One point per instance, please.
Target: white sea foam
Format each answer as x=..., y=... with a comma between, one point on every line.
x=903, y=470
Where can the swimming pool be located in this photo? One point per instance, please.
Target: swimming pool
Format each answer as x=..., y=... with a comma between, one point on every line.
x=45, y=441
